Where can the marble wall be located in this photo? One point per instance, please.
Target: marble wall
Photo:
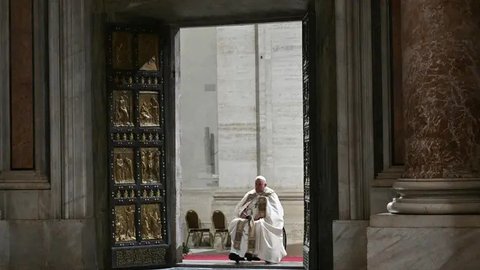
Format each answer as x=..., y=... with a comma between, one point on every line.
x=423, y=248
x=48, y=244
x=349, y=244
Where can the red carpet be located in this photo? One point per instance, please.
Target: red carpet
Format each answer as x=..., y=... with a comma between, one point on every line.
x=224, y=257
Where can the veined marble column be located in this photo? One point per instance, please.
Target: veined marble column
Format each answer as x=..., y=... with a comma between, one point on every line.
x=441, y=78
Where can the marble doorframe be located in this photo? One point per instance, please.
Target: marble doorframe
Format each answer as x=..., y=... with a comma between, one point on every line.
x=354, y=108
x=389, y=172
x=355, y=127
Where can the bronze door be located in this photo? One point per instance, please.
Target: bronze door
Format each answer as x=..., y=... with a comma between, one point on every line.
x=308, y=72
x=137, y=83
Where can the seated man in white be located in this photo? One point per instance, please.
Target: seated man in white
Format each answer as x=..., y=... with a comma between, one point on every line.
x=257, y=228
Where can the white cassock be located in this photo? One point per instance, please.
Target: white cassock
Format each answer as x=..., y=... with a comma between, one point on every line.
x=263, y=237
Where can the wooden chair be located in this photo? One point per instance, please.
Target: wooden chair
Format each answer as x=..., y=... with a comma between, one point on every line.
x=218, y=219
x=193, y=224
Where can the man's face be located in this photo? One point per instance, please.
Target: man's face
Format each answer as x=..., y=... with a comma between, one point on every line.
x=260, y=185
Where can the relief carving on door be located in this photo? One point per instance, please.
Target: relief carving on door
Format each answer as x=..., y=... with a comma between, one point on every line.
x=150, y=165
x=122, y=108
x=149, y=109
x=123, y=168
x=125, y=223
x=151, y=222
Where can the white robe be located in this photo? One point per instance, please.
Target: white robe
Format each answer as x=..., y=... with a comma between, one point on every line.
x=268, y=231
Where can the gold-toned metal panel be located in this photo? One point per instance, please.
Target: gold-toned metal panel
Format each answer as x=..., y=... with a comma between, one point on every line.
x=150, y=165
x=148, y=52
x=151, y=222
x=149, y=109
x=125, y=223
x=151, y=193
x=122, y=136
x=122, y=50
x=122, y=109
x=123, y=165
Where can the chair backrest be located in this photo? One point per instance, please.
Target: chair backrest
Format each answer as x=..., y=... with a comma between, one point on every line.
x=218, y=219
x=192, y=220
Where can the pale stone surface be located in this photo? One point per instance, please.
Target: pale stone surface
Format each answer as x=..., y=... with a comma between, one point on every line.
x=19, y=204
x=350, y=244
x=48, y=244
x=25, y=237
x=4, y=246
x=423, y=248
x=353, y=110
x=237, y=128
x=280, y=103
x=197, y=104
x=424, y=221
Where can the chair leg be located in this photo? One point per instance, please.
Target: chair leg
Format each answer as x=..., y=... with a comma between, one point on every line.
x=214, y=237
x=188, y=237
x=195, y=239
x=222, y=237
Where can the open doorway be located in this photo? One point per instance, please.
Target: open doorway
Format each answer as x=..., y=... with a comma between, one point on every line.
x=239, y=113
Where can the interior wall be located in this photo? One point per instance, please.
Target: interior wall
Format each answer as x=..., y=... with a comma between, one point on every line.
x=53, y=226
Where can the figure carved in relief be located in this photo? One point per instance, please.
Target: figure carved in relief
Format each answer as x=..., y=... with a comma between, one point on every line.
x=156, y=167
x=130, y=222
x=155, y=110
x=145, y=114
x=128, y=169
x=149, y=112
x=151, y=224
x=155, y=225
x=122, y=111
x=123, y=169
x=119, y=168
x=144, y=167
x=150, y=166
x=124, y=223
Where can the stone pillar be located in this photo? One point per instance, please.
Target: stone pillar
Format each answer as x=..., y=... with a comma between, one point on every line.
x=441, y=78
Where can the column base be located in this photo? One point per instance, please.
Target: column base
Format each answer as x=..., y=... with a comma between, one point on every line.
x=423, y=242
x=436, y=196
